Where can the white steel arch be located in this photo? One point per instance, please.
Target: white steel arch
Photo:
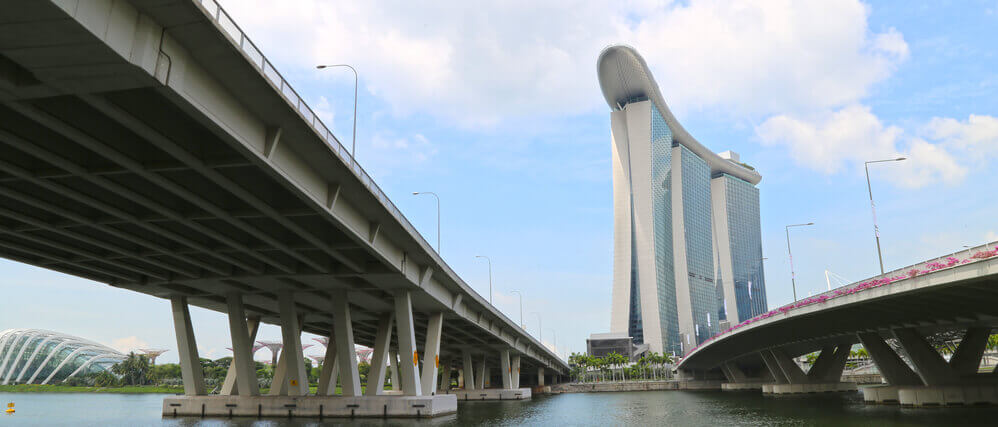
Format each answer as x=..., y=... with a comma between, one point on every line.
x=66, y=360
x=34, y=354
x=90, y=361
x=34, y=333
x=10, y=349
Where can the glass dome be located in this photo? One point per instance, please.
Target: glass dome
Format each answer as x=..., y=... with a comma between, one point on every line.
x=36, y=356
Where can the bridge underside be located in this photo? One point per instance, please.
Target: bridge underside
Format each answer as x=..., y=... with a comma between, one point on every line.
x=142, y=147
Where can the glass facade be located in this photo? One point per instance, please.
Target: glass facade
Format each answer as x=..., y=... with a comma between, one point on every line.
x=661, y=172
x=34, y=356
x=699, y=247
x=745, y=238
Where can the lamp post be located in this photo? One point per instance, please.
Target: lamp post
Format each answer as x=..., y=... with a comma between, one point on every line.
x=353, y=147
x=521, y=307
x=416, y=193
x=490, y=281
x=555, y=335
x=540, y=326
x=873, y=207
x=793, y=279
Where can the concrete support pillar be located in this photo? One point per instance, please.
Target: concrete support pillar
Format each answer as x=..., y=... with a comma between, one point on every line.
x=829, y=365
x=469, y=372
x=890, y=365
x=345, y=352
x=733, y=372
x=379, y=359
x=330, y=370
x=540, y=376
x=242, y=348
x=507, y=370
x=773, y=367
x=515, y=370
x=190, y=363
x=393, y=366
x=460, y=378
x=967, y=358
x=791, y=371
x=486, y=377
x=431, y=353
x=480, y=373
x=406, y=334
x=929, y=364
x=291, y=364
x=229, y=385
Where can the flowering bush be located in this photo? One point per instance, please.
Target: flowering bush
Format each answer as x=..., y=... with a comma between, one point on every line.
x=914, y=272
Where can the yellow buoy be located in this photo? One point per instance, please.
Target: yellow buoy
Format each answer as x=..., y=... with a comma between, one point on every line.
x=10, y=408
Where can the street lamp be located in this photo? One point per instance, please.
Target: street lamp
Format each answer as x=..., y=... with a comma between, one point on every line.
x=540, y=328
x=793, y=279
x=521, y=307
x=416, y=193
x=555, y=335
x=490, y=281
x=353, y=148
x=873, y=207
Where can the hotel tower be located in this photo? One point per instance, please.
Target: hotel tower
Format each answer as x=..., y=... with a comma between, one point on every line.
x=687, y=243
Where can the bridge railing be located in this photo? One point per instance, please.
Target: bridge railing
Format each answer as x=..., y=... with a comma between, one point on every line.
x=256, y=57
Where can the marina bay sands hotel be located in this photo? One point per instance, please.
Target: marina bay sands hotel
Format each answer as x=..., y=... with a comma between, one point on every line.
x=687, y=240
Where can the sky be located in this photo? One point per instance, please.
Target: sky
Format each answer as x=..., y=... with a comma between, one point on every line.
x=495, y=106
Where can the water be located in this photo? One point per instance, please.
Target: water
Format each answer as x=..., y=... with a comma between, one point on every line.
x=673, y=408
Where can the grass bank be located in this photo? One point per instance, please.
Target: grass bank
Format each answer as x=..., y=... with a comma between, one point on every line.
x=39, y=388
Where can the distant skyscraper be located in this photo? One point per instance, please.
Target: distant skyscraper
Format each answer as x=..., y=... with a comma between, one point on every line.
x=687, y=240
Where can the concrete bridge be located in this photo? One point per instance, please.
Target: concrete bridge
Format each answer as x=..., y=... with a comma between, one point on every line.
x=892, y=316
x=151, y=146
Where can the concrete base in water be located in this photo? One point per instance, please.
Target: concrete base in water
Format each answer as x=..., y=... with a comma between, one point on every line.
x=957, y=395
x=807, y=388
x=491, y=394
x=637, y=386
x=881, y=394
x=743, y=386
x=311, y=406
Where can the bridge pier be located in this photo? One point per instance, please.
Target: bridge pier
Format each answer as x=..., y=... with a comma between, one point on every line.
x=289, y=392
x=823, y=376
x=931, y=380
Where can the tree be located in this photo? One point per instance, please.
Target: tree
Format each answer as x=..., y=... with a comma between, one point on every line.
x=133, y=370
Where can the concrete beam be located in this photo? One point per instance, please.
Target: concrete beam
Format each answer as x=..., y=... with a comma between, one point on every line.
x=291, y=353
x=345, y=352
x=379, y=359
x=190, y=363
x=507, y=370
x=330, y=369
x=242, y=351
x=793, y=373
x=894, y=370
x=967, y=358
x=406, y=334
x=929, y=364
x=431, y=353
x=468, y=371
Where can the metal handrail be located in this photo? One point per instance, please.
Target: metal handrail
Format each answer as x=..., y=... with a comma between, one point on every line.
x=255, y=56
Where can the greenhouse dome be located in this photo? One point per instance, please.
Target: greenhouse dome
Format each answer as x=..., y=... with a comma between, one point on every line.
x=36, y=356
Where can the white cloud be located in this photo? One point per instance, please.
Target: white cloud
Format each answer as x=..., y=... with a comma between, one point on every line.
x=480, y=62
x=389, y=152
x=844, y=139
x=978, y=135
x=128, y=344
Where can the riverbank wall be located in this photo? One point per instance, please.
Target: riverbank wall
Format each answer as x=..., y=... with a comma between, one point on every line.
x=609, y=387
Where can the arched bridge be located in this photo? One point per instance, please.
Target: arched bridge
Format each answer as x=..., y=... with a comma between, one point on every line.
x=892, y=316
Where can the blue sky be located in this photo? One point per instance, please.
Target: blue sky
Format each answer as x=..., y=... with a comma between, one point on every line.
x=496, y=108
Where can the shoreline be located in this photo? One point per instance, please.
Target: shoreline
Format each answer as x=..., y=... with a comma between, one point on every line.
x=54, y=389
